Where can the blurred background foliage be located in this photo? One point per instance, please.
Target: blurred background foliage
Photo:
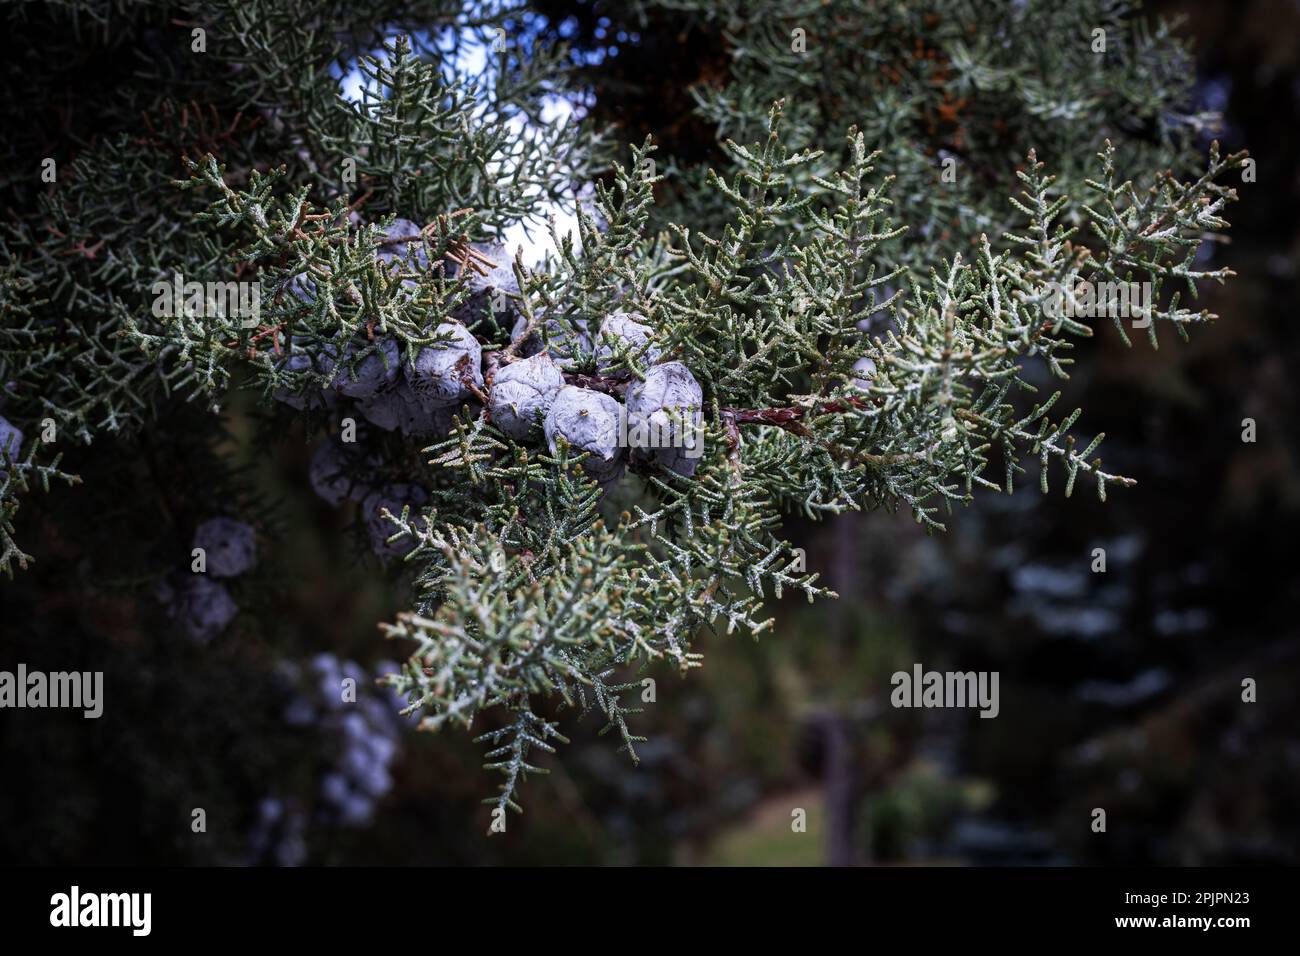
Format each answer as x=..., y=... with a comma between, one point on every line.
x=1118, y=690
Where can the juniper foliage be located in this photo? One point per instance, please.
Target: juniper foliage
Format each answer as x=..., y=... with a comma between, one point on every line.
x=943, y=85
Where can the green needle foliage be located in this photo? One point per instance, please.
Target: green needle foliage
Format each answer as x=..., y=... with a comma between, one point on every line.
x=946, y=83
x=534, y=585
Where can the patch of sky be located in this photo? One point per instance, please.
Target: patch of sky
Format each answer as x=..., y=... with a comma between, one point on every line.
x=470, y=53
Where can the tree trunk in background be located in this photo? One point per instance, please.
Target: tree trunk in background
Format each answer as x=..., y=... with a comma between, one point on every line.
x=843, y=775
x=841, y=792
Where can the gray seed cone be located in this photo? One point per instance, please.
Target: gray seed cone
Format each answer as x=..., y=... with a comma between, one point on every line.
x=588, y=421
x=399, y=408
x=201, y=606
x=417, y=418
x=570, y=347
x=230, y=546
x=394, y=498
x=487, y=292
x=522, y=395
x=385, y=408
x=665, y=410
x=301, y=361
x=363, y=378
x=335, y=471
x=11, y=439
x=297, y=362
x=626, y=333
x=302, y=286
x=435, y=378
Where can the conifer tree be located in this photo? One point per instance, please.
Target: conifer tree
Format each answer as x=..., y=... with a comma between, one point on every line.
x=584, y=464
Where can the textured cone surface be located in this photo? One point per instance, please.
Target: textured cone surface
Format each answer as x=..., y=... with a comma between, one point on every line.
x=230, y=546
x=394, y=498
x=588, y=421
x=625, y=332
x=667, y=404
x=523, y=393
x=568, y=346
x=435, y=376
x=379, y=367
